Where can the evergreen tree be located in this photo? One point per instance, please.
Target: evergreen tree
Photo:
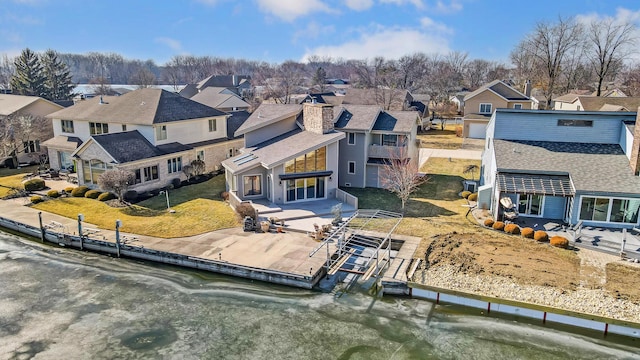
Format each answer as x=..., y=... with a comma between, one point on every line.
x=29, y=78
x=57, y=77
x=319, y=78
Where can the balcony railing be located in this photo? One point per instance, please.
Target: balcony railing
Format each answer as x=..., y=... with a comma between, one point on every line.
x=385, y=151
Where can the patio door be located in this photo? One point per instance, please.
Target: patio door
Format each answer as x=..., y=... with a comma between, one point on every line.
x=568, y=208
x=530, y=204
x=305, y=189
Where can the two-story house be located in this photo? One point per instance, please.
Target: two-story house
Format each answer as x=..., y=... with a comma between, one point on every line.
x=481, y=103
x=568, y=166
x=373, y=137
x=151, y=132
x=302, y=152
x=30, y=134
x=595, y=103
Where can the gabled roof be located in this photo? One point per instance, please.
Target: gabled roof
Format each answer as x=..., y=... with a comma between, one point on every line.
x=356, y=117
x=234, y=122
x=222, y=81
x=591, y=167
x=396, y=121
x=280, y=149
x=381, y=96
x=567, y=98
x=10, y=104
x=501, y=89
x=596, y=103
x=143, y=107
x=267, y=114
x=126, y=146
x=216, y=97
x=62, y=142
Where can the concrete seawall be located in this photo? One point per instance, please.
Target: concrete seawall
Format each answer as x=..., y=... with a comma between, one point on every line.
x=544, y=314
x=139, y=252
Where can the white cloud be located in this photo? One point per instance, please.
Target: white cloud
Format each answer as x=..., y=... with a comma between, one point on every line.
x=391, y=43
x=442, y=8
x=417, y=3
x=313, y=31
x=209, y=2
x=622, y=15
x=173, y=44
x=430, y=24
x=359, y=5
x=289, y=10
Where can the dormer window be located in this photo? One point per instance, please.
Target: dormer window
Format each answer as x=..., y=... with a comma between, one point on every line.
x=485, y=108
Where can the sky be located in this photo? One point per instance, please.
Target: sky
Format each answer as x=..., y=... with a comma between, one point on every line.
x=279, y=30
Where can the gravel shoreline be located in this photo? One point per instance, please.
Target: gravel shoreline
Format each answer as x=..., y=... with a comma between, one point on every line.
x=590, y=301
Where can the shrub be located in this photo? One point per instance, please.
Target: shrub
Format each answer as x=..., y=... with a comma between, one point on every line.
x=512, y=229
x=36, y=199
x=527, y=232
x=541, y=236
x=224, y=195
x=498, y=225
x=465, y=194
x=34, y=184
x=105, y=196
x=69, y=189
x=79, y=191
x=92, y=194
x=53, y=193
x=245, y=209
x=130, y=195
x=176, y=182
x=488, y=222
x=559, y=241
x=473, y=197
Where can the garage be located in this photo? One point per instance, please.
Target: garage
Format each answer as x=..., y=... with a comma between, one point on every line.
x=477, y=130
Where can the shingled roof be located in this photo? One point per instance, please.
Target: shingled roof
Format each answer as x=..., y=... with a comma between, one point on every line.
x=143, y=107
x=600, y=168
x=598, y=103
x=127, y=146
x=10, y=104
x=501, y=89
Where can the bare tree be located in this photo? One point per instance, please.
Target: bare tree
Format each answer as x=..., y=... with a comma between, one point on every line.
x=116, y=181
x=400, y=175
x=144, y=78
x=609, y=44
x=18, y=132
x=198, y=167
x=546, y=49
x=6, y=71
x=188, y=171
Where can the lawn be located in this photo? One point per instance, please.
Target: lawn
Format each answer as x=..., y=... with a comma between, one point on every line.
x=441, y=139
x=198, y=209
x=436, y=208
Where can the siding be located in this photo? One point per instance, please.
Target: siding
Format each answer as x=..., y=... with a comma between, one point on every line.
x=269, y=132
x=626, y=141
x=372, y=175
x=356, y=153
x=554, y=207
x=472, y=106
x=537, y=126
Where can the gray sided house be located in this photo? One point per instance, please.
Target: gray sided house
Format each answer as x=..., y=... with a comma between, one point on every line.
x=290, y=155
x=150, y=132
x=373, y=137
x=568, y=166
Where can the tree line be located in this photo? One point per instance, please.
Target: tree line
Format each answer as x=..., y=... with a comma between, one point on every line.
x=555, y=56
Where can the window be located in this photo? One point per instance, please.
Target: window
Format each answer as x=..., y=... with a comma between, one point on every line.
x=161, y=132
x=31, y=146
x=67, y=126
x=305, y=189
x=352, y=167
x=315, y=160
x=200, y=155
x=252, y=185
x=92, y=169
x=98, y=128
x=579, y=123
x=124, y=127
x=138, y=176
x=517, y=106
x=151, y=173
x=530, y=204
x=174, y=165
x=610, y=210
x=230, y=153
x=389, y=140
x=213, y=125
x=351, y=139
x=485, y=108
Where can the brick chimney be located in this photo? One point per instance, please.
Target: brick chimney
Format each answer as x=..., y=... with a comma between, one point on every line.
x=635, y=150
x=317, y=118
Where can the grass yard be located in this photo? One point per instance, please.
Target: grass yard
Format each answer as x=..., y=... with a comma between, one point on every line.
x=441, y=139
x=199, y=209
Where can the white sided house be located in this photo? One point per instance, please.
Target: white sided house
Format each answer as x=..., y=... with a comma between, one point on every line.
x=151, y=132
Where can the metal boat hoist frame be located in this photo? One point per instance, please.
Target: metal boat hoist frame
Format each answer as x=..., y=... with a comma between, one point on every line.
x=350, y=235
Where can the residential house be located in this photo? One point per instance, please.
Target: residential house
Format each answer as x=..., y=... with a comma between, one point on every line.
x=388, y=99
x=239, y=84
x=303, y=152
x=458, y=101
x=151, y=132
x=596, y=103
x=373, y=137
x=290, y=154
x=221, y=98
x=30, y=138
x=567, y=166
x=481, y=103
